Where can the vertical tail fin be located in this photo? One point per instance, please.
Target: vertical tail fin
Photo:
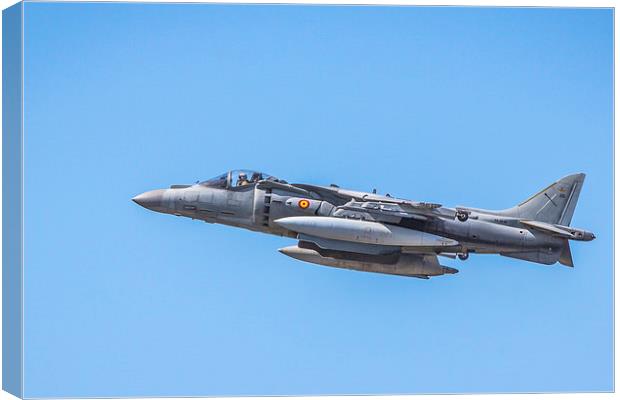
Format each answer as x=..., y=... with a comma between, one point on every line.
x=555, y=204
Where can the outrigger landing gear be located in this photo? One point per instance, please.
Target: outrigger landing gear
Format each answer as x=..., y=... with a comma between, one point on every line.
x=462, y=216
x=463, y=256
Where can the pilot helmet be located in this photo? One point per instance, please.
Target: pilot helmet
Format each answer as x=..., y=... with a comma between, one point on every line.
x=242, y=175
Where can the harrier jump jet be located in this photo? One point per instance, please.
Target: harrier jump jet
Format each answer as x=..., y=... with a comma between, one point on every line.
x=379, y=233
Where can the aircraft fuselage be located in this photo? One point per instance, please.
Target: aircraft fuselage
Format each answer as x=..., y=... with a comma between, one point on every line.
x=370, y=232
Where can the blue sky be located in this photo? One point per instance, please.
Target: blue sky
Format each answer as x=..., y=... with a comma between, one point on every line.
x=462, y=106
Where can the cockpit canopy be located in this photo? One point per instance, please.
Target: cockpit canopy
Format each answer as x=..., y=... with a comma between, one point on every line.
x=238, y=178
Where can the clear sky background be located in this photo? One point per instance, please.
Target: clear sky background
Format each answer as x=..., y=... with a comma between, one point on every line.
x=462, y=106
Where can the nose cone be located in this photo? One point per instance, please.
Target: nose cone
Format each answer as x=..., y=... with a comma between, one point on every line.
x=152, y=200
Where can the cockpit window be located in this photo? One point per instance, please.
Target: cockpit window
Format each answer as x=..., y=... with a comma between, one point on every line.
x=218, y=182
x=239, y=178
x=245, y=177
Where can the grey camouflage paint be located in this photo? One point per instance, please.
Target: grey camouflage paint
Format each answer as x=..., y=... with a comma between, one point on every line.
x=375, y=233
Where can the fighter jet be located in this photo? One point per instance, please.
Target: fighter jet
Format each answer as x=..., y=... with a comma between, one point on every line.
x=370, y=232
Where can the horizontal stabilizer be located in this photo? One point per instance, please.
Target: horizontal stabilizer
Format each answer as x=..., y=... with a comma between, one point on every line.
x=548, y=228
x=565, y=232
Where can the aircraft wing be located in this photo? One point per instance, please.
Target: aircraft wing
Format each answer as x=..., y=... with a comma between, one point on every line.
x=344, y=195
x=378, y=203
x=388, y=211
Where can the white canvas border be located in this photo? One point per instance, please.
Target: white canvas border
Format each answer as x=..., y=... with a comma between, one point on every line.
x=504, y=3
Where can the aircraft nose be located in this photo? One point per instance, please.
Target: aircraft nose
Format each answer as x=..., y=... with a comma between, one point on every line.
x=151, y=200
